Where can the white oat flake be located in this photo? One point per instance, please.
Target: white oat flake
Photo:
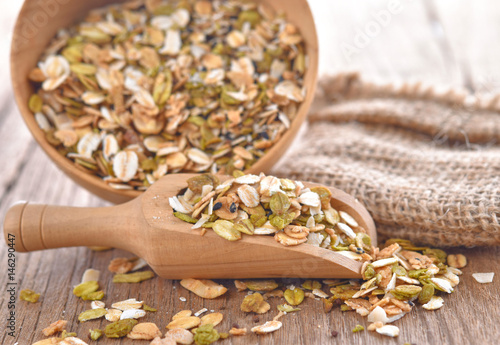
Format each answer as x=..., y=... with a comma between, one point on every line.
x=436, y=302
x=483, y=278
x=310, y=199
x=132, y=314
x=346, y=230
x=443, y=284
x=173, y=43
x=247, y=179
x=389, y=330
x=125, y=165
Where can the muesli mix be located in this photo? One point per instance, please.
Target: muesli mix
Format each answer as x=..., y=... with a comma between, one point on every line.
x=267, y=205
x=150, y=87
x=395, y=278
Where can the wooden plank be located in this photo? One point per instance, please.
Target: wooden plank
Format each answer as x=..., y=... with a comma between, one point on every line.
x=469, y=313
x=16, y=142
x=39, y=180
x=406, y=48
x=16, y=139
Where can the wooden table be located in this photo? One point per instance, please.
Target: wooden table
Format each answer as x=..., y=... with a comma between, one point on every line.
x=446, y=42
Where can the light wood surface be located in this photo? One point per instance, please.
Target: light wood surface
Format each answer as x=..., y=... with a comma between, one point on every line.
x=147, y=227
x=26, y=49
x=459, y=47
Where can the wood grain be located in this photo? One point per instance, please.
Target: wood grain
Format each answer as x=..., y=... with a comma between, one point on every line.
x=147, y=227
x=470, y=313
x=406, y=49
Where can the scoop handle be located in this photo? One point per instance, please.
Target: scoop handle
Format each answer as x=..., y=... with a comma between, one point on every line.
x=29, y=227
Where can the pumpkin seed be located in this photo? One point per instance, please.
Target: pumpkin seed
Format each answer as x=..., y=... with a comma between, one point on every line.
x=405, y=292
x=226, y=230
x=324, y=196
x=35, y=103
x=120, y=328
x=135, y=277
x=83, y=68
x=206, y=335
x=29, y=296
x=93, y=296
x=92, y=314
x=148, y=308
x=95, y=334
x=358, y=328
x=261, y=285
x=255, y=303
x=295, y=296
x=186, y=218
x=287, y=308
x=85, y=288
x=279, y=204
x=426, y=294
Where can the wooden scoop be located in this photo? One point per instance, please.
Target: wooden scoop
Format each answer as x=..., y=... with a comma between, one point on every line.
x=147, y=227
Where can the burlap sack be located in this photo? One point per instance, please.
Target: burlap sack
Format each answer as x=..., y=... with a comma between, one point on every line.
x=425, y=164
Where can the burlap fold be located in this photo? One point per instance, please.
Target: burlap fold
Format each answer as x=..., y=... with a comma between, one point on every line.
x=424, y=163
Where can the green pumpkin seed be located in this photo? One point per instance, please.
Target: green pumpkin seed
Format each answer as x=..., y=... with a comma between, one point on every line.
x=400, y=271
x=226, y=229
x=258, y=220
x=254, y=303
x=295, y=296
x=287, y=308
x=83, y=68
x=261, y=285
x=135, y=277
x=358, y=328
x=299, y=64
x=35, y=103
x=245, y=226
x=325, y=196
x=331, y=216
x=345, y=307
x=426, y=293
x=185, y=218
x=73, y=53
x=257, y=210
x=94, y=35
x=438, y=254
x=206, y=334
x=148, y=308
x=405, y=292
x=120, y=328
x=95, y=334
x=416, y=274
x=93, y=296
x=405, y=244
x=85, y=288
x=287, y=185
x=279, y=203
x=92, y=314
x=29, y=296
x=311, y=284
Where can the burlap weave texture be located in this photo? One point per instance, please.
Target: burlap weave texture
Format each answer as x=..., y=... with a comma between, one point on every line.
x=425, y=164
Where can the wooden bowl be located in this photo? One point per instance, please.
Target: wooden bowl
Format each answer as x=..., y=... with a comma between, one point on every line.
x=37, y=24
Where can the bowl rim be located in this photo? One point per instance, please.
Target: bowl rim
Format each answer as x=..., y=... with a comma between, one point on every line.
x=97, y=185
